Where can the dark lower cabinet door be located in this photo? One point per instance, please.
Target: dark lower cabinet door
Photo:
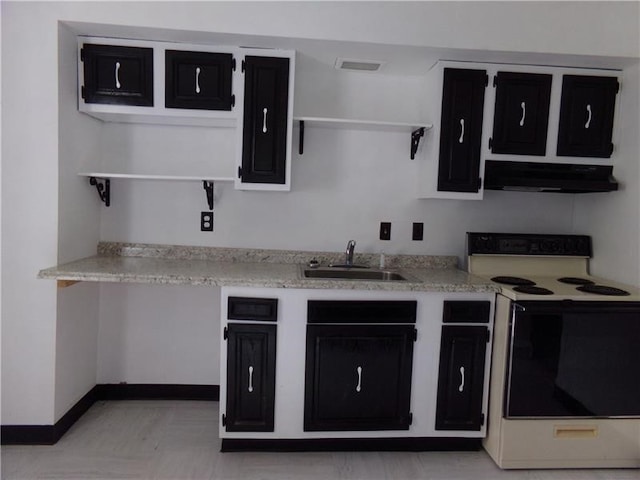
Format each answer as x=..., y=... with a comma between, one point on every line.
x=264, y=146
x=521, y=115
x=461, y=130
x=586, y=116
x=251, y=363
x=117, y=75
x=358, y=377
x=461, y=378
x=199, y=80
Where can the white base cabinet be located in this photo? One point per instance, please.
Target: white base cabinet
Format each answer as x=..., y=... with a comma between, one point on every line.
x=291, y=357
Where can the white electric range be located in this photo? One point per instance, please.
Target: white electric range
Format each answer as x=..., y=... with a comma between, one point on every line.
x=565, y=388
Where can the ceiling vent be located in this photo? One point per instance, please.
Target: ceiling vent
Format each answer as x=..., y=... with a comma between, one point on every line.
x=360, y=65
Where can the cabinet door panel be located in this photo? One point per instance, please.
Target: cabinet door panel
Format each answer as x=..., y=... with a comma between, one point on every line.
x=199, y=80
x=358, y=377
x=118, y=75
x=586, y=116
x=251, y=357
x=521, y=113
x=461, y=130
x=264, y=146
x=461, y=378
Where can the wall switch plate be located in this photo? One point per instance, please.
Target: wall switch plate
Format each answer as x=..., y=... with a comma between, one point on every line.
x=206, y=221
x=385, y=230
x=418, y=231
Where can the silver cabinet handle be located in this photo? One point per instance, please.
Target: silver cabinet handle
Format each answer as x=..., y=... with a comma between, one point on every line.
x=461, y=387
x=461, y=139
x=359, y=386
x=250, y=379
x=523, y=106
x=586, y=125
x=197, y=79
x=264, y=120
x=118, y=75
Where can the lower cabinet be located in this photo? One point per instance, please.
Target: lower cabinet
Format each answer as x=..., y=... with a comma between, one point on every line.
x=461, y=378
x=251, y=366
x=353, y=369
x=358, y=377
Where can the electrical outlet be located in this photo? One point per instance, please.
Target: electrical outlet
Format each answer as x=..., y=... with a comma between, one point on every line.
x=418, y=231
x=385, y=230
x=206, y=221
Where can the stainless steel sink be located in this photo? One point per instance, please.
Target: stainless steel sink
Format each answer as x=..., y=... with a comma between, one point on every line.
x=353, y=274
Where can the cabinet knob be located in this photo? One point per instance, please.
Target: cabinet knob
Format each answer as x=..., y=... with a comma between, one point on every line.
x=197, y=79
x=523, y=106
x=586, y=125
x=359, y=385
x=461, y=387
x=461, y=139
x=264, y=120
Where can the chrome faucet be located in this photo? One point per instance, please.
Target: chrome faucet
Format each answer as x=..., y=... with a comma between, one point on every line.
x=351, y=245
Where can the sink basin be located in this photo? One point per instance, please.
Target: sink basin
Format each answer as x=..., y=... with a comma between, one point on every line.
x=353, y=274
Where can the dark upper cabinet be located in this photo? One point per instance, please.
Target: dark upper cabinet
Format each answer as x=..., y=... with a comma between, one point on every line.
x=586, y=116
x=461, y=130
x=521, y=114
x=264, y=145
x=117, y=75
x=358, y=377
x=199, y=80
x=461, y=378
x=251, y=367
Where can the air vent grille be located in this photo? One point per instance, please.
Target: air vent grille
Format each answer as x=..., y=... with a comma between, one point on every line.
x=360, y=65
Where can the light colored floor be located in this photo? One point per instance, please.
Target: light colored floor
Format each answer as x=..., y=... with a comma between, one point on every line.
x=178, y=440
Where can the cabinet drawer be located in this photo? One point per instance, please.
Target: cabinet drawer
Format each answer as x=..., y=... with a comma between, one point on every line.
x=466, y=311
x=117, y=74
x=358, y=311
x=258, y=309
x=199, y=80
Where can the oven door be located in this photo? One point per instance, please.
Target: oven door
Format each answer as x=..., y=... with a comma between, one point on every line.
x=573, y=359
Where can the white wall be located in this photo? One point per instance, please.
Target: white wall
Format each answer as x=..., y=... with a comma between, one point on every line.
x=613, y=219
x=36, y=136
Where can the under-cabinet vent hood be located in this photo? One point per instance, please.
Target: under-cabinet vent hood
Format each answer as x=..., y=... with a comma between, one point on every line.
x=548, y=177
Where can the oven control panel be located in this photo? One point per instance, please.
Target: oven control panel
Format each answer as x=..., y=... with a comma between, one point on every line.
x=528, y=244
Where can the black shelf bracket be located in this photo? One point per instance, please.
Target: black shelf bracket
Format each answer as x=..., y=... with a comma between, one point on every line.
x=301, y=142
x=416, y=135
x=103, y=185
x=208, y=187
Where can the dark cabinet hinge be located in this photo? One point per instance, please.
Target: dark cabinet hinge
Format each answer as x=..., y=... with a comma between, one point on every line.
x=490, y=143
x=224, y=420
x=479, y=183
x=82, y=92
x=233, y=64
x=495, y=81
x=617, y=87
x=486, y=80
x=239, y=172
x=414, y=335
x=242, y=66
x=225, y=333
x=482, y=419
x=82, y=54
x=488, y=335
x=233, y=100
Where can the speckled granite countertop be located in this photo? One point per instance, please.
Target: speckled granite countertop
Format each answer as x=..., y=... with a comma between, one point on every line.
x=211, y=266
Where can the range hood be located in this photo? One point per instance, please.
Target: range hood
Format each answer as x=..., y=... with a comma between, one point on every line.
x=548, y=177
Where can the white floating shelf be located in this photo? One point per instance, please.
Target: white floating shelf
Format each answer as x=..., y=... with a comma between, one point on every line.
x=136, y=176
x=415, y=129
x=362, y=124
